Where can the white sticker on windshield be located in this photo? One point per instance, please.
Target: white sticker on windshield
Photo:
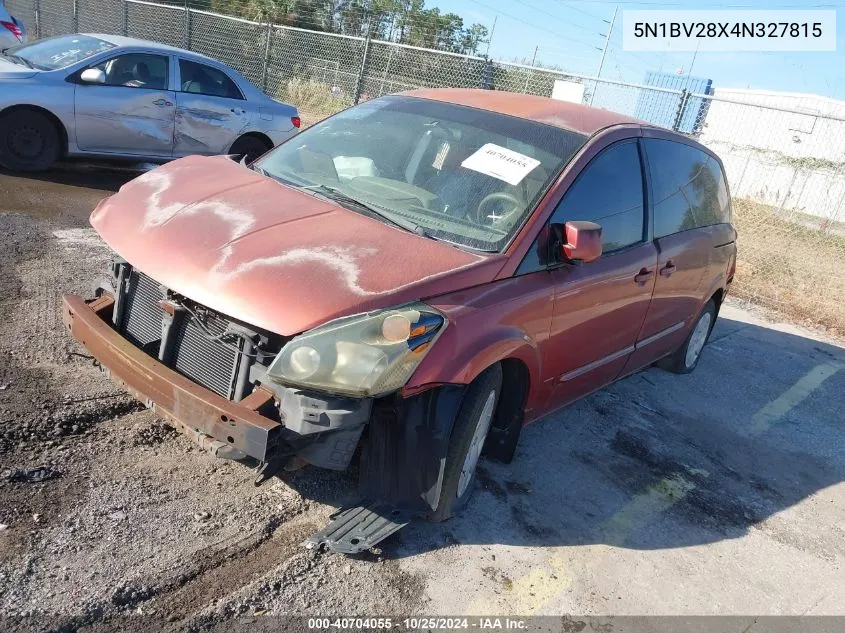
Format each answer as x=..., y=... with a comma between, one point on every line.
x=501, y=162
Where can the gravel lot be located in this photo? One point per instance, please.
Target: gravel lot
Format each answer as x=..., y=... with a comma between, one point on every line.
x=715, y=493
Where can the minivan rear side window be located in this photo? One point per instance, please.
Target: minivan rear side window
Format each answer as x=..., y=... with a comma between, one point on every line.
x=688, y=187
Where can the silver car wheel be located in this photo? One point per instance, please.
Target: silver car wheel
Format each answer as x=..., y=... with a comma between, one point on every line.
x=697, y=340
x=477, y=443
x=26, y=143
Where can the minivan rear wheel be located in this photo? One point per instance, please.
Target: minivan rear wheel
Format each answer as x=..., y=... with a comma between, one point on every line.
x=468, y=435
x=686, y=357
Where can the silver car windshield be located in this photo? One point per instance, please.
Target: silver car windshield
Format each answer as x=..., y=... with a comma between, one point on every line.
x=458, y=174
x=59, y=52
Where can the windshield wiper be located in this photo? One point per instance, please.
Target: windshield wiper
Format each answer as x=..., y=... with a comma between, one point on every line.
x=17, y=58
x=277, y=178
x=341, y=197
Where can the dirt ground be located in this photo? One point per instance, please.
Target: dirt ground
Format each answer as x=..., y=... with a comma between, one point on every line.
x=715, y=493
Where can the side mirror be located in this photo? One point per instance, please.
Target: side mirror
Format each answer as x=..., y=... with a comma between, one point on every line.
x=582, y=242
x=93, y=76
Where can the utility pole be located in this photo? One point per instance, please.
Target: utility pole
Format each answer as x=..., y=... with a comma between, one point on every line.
x=490, y=39
x=604, y=49
x=533, y=61
x=692, y=63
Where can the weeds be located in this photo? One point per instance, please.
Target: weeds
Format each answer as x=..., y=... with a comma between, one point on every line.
x=792, y=263
x=314, y=99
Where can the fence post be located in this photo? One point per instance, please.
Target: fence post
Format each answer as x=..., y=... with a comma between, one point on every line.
x=267, y=49
x=788, y=191
x=386, y=70
x=37, y=19
x=187, y=37
x=487, y=75
x=125, y=25
x=76, y=16
x=682, y=106
x=359, y=84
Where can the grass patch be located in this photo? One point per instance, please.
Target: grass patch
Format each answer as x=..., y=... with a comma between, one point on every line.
x=314, y=99
x=790, y=264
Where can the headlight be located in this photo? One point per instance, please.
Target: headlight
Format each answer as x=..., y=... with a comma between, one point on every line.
x=363, y=355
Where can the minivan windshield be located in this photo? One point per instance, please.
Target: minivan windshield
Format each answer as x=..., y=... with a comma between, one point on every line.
x=58, y=52
x=453, y=173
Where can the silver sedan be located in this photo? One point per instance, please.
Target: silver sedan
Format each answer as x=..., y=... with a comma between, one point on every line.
x=111, y=96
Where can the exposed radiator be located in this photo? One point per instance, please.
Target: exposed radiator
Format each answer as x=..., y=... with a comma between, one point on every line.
x=141, y=316
x=194, y=353
x=203, y=360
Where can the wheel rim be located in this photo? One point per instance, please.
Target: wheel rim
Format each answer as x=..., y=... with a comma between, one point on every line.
x=26, y=143
x=698, y=338
x=477, y=443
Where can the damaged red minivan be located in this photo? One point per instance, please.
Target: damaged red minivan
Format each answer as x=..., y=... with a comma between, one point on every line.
x=416, y=277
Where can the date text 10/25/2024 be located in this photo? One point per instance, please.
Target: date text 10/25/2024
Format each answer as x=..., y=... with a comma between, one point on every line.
x=418, y=624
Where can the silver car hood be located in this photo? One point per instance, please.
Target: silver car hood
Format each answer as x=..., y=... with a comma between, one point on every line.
x=10, y=70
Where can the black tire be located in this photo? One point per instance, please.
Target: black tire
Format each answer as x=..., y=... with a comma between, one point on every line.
x=251, y=147
x=678, y=362
x=451, y=499
x=29, y=141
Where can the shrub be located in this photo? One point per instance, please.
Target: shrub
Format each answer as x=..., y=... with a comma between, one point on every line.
x=314, y=98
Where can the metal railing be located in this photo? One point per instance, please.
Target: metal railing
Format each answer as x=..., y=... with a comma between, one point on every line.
x=784, y=156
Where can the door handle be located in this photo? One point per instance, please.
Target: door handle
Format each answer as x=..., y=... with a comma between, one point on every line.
x=668, y=269
x=643, y=276
x=162, y=103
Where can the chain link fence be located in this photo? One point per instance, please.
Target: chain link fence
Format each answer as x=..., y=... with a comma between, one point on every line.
x=786, y=168
x=784, y=156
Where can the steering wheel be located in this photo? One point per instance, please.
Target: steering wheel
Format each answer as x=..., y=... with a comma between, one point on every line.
x=492, y=219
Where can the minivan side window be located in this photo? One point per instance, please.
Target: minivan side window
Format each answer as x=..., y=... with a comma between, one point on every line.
x=608, y=191
x=688, y=187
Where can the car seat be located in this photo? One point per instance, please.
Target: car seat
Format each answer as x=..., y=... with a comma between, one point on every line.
x=141, y=72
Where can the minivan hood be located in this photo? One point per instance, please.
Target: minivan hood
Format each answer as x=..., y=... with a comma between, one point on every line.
x=270, y=255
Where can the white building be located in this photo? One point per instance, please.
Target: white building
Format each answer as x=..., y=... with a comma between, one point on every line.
x=788, y=151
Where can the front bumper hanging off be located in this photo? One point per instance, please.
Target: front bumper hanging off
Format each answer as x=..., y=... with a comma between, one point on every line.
x=402, y=463
x=208, y=418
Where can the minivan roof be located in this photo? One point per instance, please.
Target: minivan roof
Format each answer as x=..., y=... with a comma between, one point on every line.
x=570, y=116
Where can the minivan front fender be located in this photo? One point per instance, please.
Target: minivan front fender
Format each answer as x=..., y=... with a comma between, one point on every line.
x=505, y=319
x=459, y=357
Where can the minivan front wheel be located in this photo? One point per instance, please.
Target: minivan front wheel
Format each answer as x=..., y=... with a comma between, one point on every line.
x=468, y=436
x=686, y=358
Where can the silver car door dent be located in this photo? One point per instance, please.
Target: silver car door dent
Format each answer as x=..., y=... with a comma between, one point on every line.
x=126, y=120
x=134, y=112
x=207, y=125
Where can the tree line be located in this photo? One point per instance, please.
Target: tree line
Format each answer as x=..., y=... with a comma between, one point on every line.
x=402, y=21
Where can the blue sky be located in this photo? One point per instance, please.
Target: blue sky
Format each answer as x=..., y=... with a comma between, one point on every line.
x=568, y=34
